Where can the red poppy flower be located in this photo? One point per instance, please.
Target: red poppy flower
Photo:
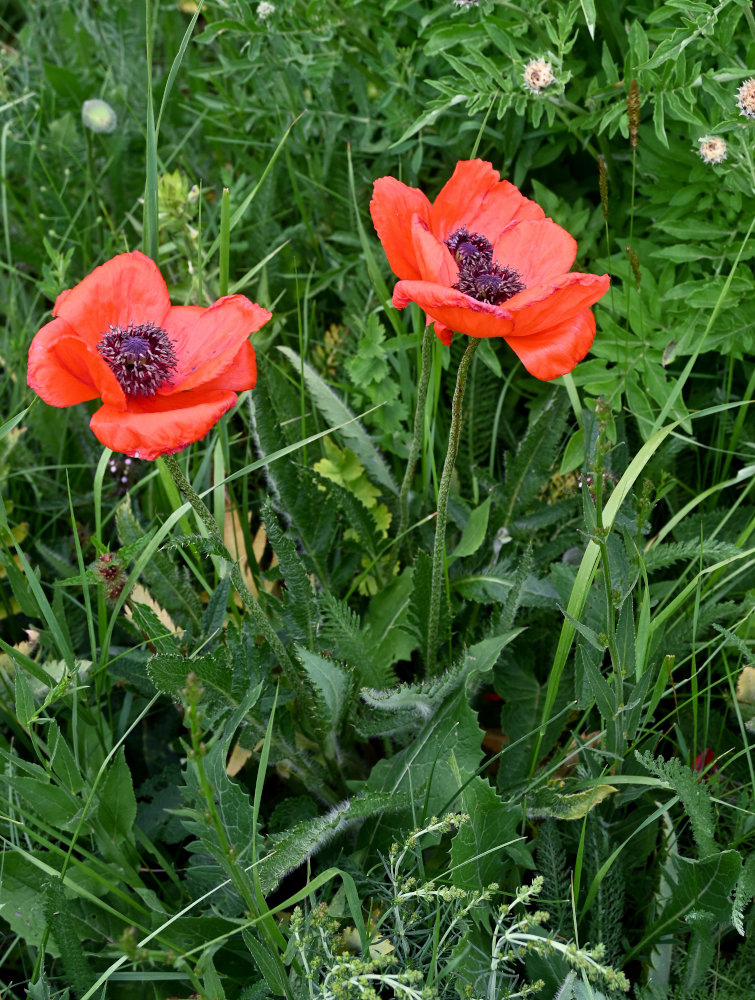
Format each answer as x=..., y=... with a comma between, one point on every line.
x=165, y=374
x=483, y=260
x=703, y=762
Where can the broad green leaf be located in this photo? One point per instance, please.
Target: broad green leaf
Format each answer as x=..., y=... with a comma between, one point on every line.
x=696, y=885
x=474, y=532
x=574, y=452
x=25, y=711
x=546, y=801
x=477, y=851
x=116, y=811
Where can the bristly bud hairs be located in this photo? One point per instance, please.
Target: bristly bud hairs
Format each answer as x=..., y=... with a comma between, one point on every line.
x=712, y=149
x=633, y=112
x=538, y=74
x=603, y=185
x=746, y=98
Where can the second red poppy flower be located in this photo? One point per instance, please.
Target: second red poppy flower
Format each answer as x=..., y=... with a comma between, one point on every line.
x=483, y=260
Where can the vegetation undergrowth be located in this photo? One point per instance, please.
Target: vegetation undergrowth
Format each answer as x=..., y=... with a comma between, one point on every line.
x=264, y=730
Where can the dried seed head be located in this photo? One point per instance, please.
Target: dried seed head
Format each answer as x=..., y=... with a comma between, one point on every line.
x=538, y=74
x=746, y=98
x=633, y=112
x=634, y=262
x=603, y=185
x=712, y=149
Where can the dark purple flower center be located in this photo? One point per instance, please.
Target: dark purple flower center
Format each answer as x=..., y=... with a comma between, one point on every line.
x=141, y=357
x=479, y=275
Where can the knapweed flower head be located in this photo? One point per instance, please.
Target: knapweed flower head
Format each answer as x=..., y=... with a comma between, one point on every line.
x=712, y=149
x=538, y=74
x=483, y=260
x=746, y=98
x=165, y=374
x=98, y=116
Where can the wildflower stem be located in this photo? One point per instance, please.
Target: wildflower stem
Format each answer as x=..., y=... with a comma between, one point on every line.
x=251, y=604
x=419, y=421
x=443, y=491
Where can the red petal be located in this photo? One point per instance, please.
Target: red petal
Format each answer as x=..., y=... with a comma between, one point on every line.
x=540, y=251
x=241, y=373
x=550, y=353
x=434, y=259
x=207, y=341
x=160, y=425
x=543, y=307
x=454, y=309
x=392, y=207
x=444, y=335
x=501, y=206
x=126, y=289
x=63, y=371
x=460, y=199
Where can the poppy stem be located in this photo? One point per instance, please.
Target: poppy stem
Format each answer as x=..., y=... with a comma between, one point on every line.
x=250, y=602
x=419, y=425
x=444, y=487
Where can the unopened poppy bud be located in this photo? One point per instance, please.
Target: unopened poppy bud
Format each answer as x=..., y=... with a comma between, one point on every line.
x=603, y=185
x=746, y=98
x=98, y=116
x=538, y=75
x=712, y=149
x=111, y=574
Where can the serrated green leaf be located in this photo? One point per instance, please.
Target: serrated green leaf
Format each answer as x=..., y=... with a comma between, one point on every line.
x=268, y=964
x=332, y=682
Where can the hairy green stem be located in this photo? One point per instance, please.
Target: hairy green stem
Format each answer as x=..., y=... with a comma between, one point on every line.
x=250, y=602
x=443, y=491
x=236, y=873
x=419, y=421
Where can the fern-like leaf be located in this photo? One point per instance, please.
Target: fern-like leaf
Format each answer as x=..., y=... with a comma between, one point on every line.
x=342, y=631
x=693, y=793
x=300, y=607
x=529, y=468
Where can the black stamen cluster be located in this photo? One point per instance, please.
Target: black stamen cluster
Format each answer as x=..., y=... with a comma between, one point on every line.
x=479, y=275
x=140, y=356
x=466, y=246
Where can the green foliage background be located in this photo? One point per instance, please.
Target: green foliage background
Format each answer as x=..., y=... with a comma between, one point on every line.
x=598, y=629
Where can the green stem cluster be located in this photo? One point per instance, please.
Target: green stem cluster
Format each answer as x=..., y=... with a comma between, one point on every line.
x=419, y=421
x=250, y=602
x=444, y=488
